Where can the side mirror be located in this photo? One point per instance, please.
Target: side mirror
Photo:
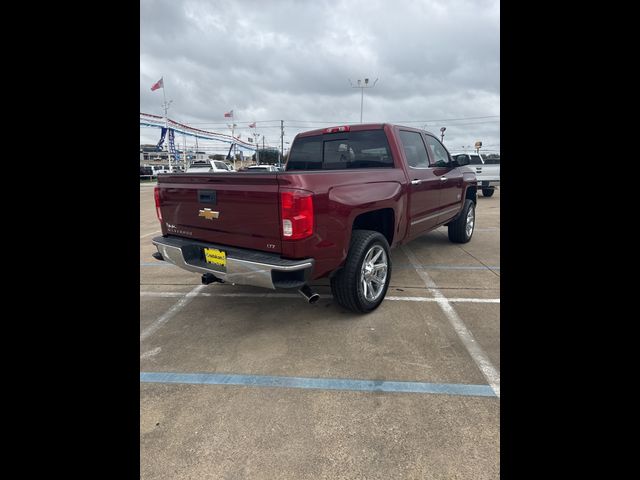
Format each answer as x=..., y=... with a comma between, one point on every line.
x=461, y=160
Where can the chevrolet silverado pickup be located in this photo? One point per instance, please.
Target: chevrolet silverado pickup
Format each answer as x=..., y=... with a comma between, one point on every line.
x=487, y=171
x=348, y=194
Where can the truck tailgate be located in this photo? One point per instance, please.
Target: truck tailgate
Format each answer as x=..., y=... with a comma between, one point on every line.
x=238, y=209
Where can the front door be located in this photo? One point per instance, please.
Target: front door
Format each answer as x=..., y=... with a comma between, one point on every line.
x=450, y=179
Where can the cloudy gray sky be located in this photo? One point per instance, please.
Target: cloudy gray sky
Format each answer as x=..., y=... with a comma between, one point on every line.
x=438, y=64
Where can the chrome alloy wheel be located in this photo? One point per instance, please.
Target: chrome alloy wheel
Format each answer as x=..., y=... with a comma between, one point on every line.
x=471, y=220
x=373, y=275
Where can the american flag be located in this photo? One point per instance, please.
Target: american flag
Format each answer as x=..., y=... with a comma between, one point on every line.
x=229, y=114
x=157, y=85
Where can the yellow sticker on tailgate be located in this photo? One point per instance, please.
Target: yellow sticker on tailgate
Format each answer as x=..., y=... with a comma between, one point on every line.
x=217, y=257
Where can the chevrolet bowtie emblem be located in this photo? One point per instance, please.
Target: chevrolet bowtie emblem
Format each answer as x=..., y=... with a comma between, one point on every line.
x=208, y=214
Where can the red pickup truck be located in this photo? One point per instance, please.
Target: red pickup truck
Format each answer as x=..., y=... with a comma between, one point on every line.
x=348, y=194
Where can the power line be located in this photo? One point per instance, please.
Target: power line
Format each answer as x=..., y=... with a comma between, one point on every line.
x=349, y=122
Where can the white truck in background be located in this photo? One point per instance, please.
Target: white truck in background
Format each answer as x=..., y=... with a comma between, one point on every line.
x=209, y=166
x=487, y=171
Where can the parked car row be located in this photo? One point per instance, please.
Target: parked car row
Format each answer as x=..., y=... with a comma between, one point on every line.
x=205, y=166
x=155, y=170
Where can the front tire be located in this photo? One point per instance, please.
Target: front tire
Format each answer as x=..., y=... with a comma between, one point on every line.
x=362, y=283
x=487, y=192
x=461, y=229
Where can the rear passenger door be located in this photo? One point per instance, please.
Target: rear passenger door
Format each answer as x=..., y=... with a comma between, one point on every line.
x=450, y=179
x=424, y=189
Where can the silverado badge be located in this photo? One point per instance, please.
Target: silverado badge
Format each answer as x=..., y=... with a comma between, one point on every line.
x=208, y=214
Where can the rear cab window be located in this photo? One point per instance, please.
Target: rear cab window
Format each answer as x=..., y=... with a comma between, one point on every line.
x=341, y=150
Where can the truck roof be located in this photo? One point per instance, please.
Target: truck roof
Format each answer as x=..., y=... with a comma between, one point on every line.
x=359, y=127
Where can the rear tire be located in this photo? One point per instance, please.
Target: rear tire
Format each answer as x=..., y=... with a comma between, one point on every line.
x=487, y=192
x=461, y=229
x=362, y=283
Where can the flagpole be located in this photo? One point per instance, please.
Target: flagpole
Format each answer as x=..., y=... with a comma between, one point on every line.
x=233, y=124
x=166, y=118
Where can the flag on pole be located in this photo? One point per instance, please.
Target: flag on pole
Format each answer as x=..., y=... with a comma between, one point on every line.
x=157, y=85
x=229, y=114
x=252, y=125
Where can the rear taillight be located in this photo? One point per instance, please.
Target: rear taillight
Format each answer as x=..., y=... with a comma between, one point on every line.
x=296, y=212
x=156, y=195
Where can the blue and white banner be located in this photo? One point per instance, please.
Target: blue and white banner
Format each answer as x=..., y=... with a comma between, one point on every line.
x=172, y=146
x=162, y=135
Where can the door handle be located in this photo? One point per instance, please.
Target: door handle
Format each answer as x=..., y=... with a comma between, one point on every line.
x=443, y=178
x=416, y=182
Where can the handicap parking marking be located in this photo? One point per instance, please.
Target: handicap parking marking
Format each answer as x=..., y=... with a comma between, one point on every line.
x=318, y=383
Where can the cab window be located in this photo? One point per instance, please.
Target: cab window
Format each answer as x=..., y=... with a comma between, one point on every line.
x=437, y=152
x=414, y=149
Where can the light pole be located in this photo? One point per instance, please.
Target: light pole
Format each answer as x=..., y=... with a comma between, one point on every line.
x=442, y=134
x=233, y=144
x=362, y=86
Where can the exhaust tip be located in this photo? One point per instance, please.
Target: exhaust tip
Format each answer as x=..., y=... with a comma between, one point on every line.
x=311, y=296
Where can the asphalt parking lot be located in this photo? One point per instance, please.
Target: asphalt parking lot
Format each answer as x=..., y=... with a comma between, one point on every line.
x=238, y=382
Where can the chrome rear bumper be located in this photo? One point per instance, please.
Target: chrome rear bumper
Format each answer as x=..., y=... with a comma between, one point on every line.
x=243, y=267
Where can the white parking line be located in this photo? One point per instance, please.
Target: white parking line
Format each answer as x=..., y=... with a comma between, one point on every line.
x=171, y=312
x=292, y=295
x=150, y=353
x=476, y=352
x=147, y=234
x=453, y=300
